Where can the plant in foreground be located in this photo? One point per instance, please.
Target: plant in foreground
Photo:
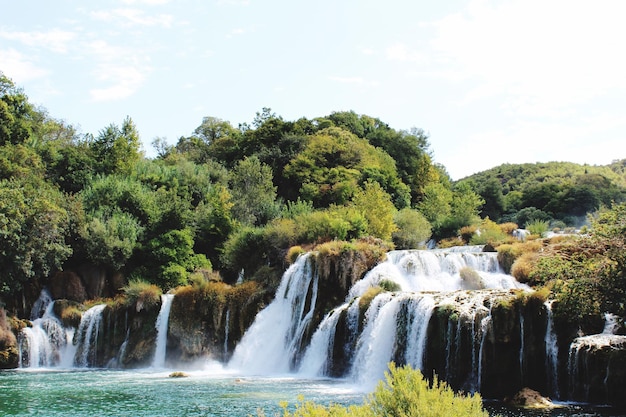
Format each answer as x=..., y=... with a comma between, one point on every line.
x=404, y=392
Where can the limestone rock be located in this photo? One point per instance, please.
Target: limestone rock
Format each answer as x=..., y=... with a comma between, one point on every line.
x=529, y=398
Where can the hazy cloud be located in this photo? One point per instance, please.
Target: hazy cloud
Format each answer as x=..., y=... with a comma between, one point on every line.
x=127, y=16
x=538, y=53
x=18, y=67
x=121, y=68
x=55, y=40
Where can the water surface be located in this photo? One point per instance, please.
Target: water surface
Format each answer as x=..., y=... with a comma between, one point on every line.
x=210, y=392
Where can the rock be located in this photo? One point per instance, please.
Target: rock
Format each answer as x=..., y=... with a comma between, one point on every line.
x=95, y=279
x=68, y=285
x=528, y=398
x=178, y=374
x=9, y=355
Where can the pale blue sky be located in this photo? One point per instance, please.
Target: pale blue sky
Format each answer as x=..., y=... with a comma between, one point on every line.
x=490, y=81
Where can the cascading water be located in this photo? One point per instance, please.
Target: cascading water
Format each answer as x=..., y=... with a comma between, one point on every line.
x=588, y=363
x=272, y=342
x=42, y=344
x=161, y=328
x=395, y=325
x=86, y=340
x=552, y=352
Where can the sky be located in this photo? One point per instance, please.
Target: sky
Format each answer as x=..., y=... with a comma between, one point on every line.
x=490, y=82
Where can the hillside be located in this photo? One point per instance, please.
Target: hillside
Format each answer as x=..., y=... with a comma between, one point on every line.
x=562, y=192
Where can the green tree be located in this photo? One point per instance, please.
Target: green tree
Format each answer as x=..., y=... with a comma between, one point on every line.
x=413, y=229
x=16, y=113
x=110, y=239
x=117, y=149
x=376, y=206
x=33, y=228
x=253, y=192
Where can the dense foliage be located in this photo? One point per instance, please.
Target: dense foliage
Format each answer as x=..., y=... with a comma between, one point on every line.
x=229, y=199
x=234, y=200
x=558, y=192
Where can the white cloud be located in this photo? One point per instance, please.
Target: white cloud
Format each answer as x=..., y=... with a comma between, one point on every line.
x=148, y=2
x=545, y=56
x=55, y=40
x=127, y=16
x=18, y=67
x=236, y=32
x=126, y=80
x=348, y=80
x=123, y=69
x=401, y=52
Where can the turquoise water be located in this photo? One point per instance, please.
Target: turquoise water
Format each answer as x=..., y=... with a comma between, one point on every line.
x=65, y=393
x=54, y=393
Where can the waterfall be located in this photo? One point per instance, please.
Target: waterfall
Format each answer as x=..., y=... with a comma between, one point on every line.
x=552, y=352
x=273, y=340
x=521, y=347
x=374, y=348
x=226, y=332
x=40, y=306
x=161, y=327
x=395, y=325
x=436, y=270
x=87, y=337
x=42, y=344
x=420, y=311
x=611, y=323
x=320, y=349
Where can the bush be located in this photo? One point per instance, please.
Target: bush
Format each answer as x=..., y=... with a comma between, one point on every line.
x=538, y=227
x=367, y=297
x=141, y=294
x=468, y=232
x=523, y=266
x=293, y=253
x=471, y=279
x=405, y=392
x=508, y=253
x=508, y=227
x=488, y=233
x=413, y=229
x=388, y=285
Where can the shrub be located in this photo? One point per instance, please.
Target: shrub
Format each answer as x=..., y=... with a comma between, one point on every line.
x=488, y=233
x=468, y=232
x=508, y=253
x=538, y=227
x=471, y=279
x=404, y=392
x=412, y=229
x=293, y=253
x=450, y=242
x=141, y=294
x=367, y=297
x=523, y=266
x=388, y=285
x=71, y=316
x=508, y=227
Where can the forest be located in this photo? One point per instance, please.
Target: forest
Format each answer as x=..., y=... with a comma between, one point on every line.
x=236, y=203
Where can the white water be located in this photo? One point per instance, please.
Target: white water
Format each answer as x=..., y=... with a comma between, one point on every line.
x=611, y=323
x=421, y=310
x=161, y=326
x=269, y=345
x=86, y=343
x=374, y=346
x=552, y=352
x=42, y=344
x=436, y=270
